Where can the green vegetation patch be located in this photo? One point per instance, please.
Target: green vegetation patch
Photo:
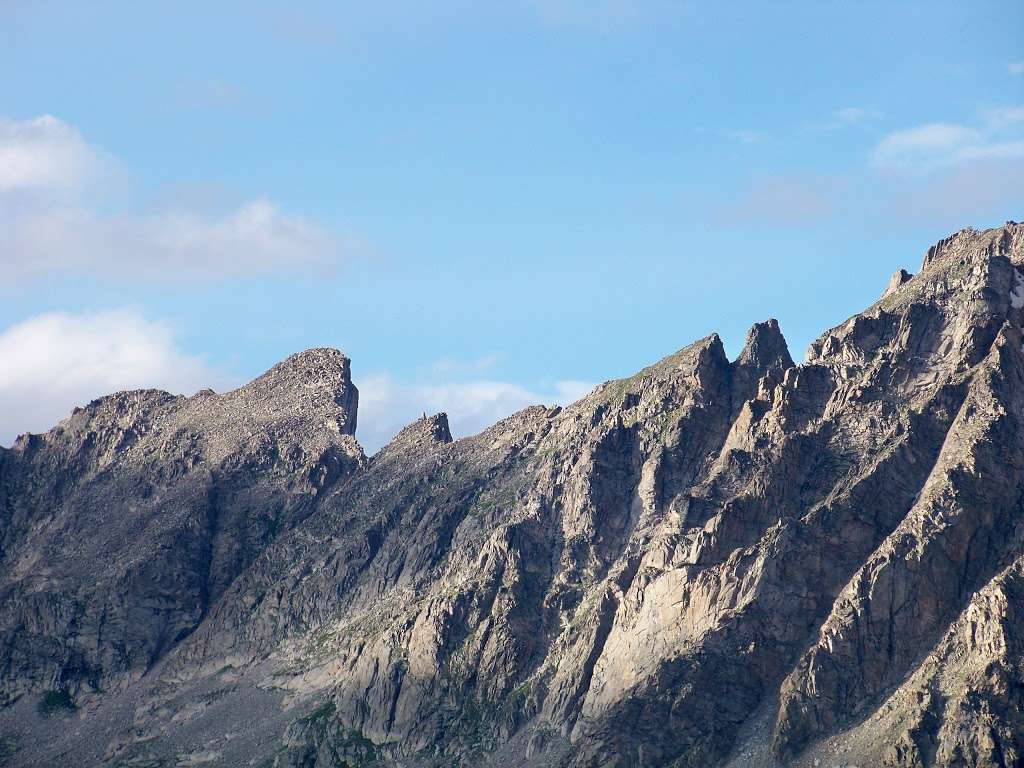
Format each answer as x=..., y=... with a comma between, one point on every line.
x=489, y=502
x=520, y=693
x=8, y=747
x=355, y=741
x=321, y=716
x=348, y=748
x=56, y=703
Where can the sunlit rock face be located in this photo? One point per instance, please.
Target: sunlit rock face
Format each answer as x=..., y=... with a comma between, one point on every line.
x=713, y=562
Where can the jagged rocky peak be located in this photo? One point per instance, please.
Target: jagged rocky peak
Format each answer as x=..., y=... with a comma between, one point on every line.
x=125, y=410
x=700, y=369
x=1007, y=240
x=899, y=277
x=95, y=434
x=316, y=381
x=764, y=354
x=316, y=377
x=699, y=373
x=703, y=360
x=766, y=346
x=966, y=285
x=425, y=431
x=124, y=403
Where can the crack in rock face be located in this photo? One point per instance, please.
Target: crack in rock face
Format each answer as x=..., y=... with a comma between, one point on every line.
x=1017, y=294
x=713, y=562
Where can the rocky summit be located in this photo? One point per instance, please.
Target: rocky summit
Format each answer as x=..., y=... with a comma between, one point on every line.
x=714, y=562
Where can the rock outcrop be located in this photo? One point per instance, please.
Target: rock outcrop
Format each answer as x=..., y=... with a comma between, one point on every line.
x=712, y=562
x=125, y=523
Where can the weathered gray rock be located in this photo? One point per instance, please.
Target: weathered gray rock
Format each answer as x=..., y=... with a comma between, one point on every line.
x=125, y=523
x=643, y=578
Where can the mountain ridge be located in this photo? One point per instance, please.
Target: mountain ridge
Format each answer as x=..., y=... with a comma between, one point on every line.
x=711, y=562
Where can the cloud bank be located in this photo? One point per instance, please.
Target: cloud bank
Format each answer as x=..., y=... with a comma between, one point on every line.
x=255, y=237
x=57, y=361
x=54, y=218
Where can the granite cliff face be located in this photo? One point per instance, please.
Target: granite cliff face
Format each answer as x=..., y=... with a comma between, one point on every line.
x=713, y=562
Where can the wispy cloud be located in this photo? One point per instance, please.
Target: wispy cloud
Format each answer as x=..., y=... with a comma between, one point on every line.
x=934, y=142
x=948, y=173
x=1004, y=117
x=785, y=199
x=214, y=93
x=1015, y=68
x=449, y=365
x=387, y=405
x=54, y=215
x=944, y=200
x=933, y=145
x=847, y=116
x=255, y=237
x=57, y=361
x=747, y=136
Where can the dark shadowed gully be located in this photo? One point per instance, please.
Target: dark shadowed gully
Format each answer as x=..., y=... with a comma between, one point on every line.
x=713, y=562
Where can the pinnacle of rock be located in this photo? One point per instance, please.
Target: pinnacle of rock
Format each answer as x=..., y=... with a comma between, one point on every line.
x=765, y=346
x=423, y=431
x=765, y=353
x=899, y=277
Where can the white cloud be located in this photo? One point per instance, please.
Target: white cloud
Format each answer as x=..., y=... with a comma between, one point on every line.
x=932, y=141
x=848, y=116
x=45, y=154
x=51, y=182
x=385, y=406
x=57, y=361
x=172, y=243
x=746, y=136
x=936, y=145
x=1004, y=117
x=1015, y=67
x=1000, y=150
x=856, y=114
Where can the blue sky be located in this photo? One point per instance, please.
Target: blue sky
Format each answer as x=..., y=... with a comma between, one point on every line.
x=482, y=204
